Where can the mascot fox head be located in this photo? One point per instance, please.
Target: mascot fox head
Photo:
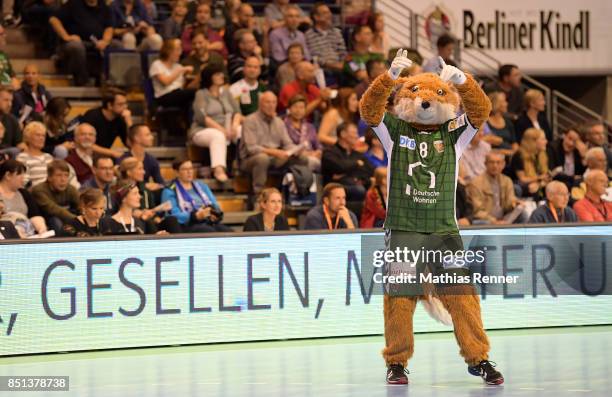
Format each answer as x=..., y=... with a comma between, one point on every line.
x=427, y=100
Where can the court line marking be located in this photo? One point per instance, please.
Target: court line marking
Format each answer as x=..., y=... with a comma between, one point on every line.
x=348, y=384
x=438, y=386
x=255, y=383
x=208, y=383
x=162, y=384
x=299, y=384
x=580, y=390
x=531, y=388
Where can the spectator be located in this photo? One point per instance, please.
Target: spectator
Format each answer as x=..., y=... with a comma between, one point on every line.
x=200, y=58
x=110, y=121
x=57, y=199
x=375, y=207
x=594, y=133
x=30, y=101
x=492, y=193
x=464, y=212
x=246, y=91
x=127, y=198
x=282, y=37
x=555, y=210
x=132, y=170
x=151, y=9
x=202, y=23
x=509, y=82
x=286, y=72
x=172, y=28
x=8, y=19
x=304, y=85
x=169, y=77
x=595, y=159
x=354, y=70
x=302, y=132
x=5, y=151
x=247, y=47
x=216, y=119
x=344, y=109
x=499, y=129
x=269, y=219
x=472, y=163
x=103, y=178
x=565, y=159
x=332, y=213
x=265, y=143
x=376, y=154
x=35, y=15
x=7, y=74
x=275, y=14
x=35, y=160
x=342, y=164
x=12, y=130
x=446, y=47
x=85, y=28
x=534, y=116
x=245, y=20
x=133, y=26
x=92, y=206
x=592, y=208
x=325, y=42
x=60, y=131
x=530, y=163
x=380, y=40
x=193, y=203
x=140, y=139
x=81, y=157
x=18, y=201
x=7, y=229
x=374, y=68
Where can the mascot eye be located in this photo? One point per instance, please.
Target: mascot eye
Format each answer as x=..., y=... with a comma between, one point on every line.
x=415, y=88
x=441, y=92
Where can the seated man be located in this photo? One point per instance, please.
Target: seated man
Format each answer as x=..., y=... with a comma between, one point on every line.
x=354, y=70
x=446, y=48
x=85, y=29
x=283, y=36
x=57, y=199
x=133, y=26
x=592, y=208
x=325, y=41
x=594, y=134
x=341, y=163
x=81, y=157
x=304, y=85
x=472, y=163
x=265, y=143
x=332, y=213
x=246, y=91
x=30, y=101
x=103, y=179
x=11, y=140
x=492, y=193
x=247, y=47
x=139, y=139
x=555, y=210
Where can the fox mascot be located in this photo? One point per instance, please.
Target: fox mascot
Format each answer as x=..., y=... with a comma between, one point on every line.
x=424, y=139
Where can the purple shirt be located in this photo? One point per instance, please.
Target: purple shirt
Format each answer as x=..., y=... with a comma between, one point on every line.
x=307, y=133
x=281, y=39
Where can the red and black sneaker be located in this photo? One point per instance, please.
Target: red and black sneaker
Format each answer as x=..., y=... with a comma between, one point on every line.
x=397, y=375
x=485, y=369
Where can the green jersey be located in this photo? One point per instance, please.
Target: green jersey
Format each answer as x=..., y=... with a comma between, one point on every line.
x=422, y=173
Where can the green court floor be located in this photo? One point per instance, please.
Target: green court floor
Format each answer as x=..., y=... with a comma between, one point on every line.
x=552, y=362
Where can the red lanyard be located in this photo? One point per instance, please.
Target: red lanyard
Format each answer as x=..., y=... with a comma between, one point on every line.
x=328, y=219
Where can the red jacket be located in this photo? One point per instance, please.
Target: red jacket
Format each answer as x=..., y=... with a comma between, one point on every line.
x=588, y=212
x=373, y=210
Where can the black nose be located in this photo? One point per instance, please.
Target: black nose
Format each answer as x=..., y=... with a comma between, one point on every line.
x=425, y=105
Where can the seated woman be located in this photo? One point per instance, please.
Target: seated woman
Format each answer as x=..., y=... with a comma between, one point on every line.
x=530, y=164
x=19, y=205
x=128, y=198
x=193, y=204
x=344, y=109
x=168, y=77
x=132, y=170
x=533, y=116
x=269, y=219
x=499, y=130
x=60, y=134
x=375, y=209
x=216, y=118
x=33, y=157
x=302, y=132
x=92, y=204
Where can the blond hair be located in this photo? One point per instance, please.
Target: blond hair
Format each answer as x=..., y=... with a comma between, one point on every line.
x=535, y=161
x=32, y=127
x=128, y=164
x=531, y=95
x=265, y=194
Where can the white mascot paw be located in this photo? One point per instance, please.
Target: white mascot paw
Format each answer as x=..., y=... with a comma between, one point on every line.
x=400, y=62
x=450, y=73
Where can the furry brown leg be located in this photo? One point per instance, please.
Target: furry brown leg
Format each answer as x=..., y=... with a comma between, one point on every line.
x=463, y=304
x=399, y=339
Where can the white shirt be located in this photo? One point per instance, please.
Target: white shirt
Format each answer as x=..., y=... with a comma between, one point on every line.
x=160, y=68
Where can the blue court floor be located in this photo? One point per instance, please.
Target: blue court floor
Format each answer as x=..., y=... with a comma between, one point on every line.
x=555, y=362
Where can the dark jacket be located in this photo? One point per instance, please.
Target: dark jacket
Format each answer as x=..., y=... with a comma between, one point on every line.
x=8, y=231
x=255, y=223
x=556, y=158
x=543, y=214
x=523, y=123
x=24, y=97
x=337, y=161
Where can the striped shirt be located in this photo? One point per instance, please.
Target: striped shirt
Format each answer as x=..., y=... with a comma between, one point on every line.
x=36, y=167
x=327, y=45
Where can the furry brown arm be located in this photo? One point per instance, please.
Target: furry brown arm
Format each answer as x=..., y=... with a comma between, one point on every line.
x=476, y=104
x=373, y=103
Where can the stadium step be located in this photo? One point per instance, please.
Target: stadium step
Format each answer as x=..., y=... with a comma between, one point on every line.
x=45, y=66
x=76, y=92
x=16, y=36
x=20, y=50
x=232, y=202
x=237, y=217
